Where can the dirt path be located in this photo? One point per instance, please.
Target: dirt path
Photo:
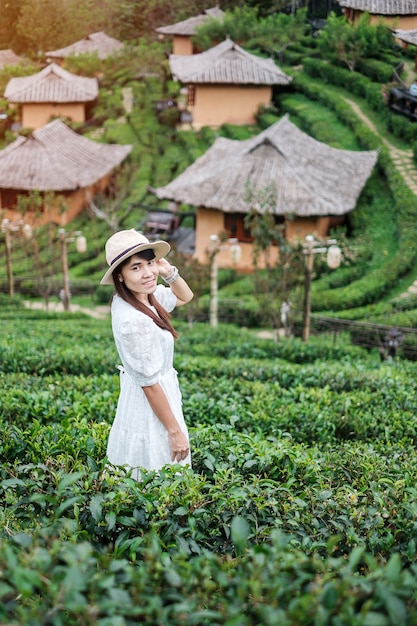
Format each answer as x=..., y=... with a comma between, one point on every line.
x=99, y=312
x=405, y=164
x=402, y=159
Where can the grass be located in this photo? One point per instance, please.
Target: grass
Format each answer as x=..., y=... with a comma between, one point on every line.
x=322, y=123
x=376, y=119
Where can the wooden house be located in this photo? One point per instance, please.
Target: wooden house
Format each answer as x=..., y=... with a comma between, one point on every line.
x=8, y=57
x=182, y=32
x=311, y=186
x=52, y=92
x=55, y=159
x=407, y=38
x=394, y=13
x=96, y=43
x=226, y=84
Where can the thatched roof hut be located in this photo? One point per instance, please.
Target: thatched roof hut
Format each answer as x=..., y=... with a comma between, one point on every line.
x=55, y=158
x=8, y=57
x=226, y=84
x=189, y=27
x=225, y=64
x=310, y=178
x=99, y=43
x=51, y=84
x=382, y=7
x=407, y=36
x=394, y=13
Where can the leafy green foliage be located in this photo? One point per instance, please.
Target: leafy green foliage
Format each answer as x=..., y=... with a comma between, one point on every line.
x=301, y=504
x=301, y=498
x=270, y=34
x=351, y=41
x=35, y=28
x=275, y=286
x=161, y=151
x=381, y=279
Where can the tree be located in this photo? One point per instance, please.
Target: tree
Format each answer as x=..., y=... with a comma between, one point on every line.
x=197, y=276
x=84, y=17
x=41, y=24
x=140, y=18
x=237, y=24
x=267, y=7
x=271, y=34
x=276, y=32
x=9, y=36
x=275, y=284
x=42, y=250
x=45, y=259
x=111, y=207
x=350, y=41
x=31, y=28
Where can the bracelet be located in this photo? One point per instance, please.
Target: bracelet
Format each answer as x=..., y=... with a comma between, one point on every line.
x=172, y=276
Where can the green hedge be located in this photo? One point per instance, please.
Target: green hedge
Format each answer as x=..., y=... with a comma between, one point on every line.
x=378, y=282
x=272, y=584
x=365, y=88
x=300, y=507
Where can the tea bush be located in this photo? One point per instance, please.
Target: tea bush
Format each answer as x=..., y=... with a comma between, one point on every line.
x=380, y=280
x=300, y=507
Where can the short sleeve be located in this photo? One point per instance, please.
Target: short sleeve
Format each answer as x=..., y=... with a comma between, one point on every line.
x=141, y=355
x=166, y=297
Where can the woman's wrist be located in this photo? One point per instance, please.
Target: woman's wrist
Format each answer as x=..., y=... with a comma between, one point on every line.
x=171, y=276
x=174, y=431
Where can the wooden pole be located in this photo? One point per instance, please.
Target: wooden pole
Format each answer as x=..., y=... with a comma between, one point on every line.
x=8, y=242
x=213, y=291
x=307, y=292
x=64, y=259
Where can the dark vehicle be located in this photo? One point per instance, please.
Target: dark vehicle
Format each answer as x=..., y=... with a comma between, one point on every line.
x=401, y=101
x=177, y=228
x=160, y=222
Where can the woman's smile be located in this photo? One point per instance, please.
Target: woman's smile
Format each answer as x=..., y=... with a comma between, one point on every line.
x=140, y=276
x=149, y=283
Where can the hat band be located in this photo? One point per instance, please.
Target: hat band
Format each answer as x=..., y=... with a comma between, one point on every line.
x=119, y=256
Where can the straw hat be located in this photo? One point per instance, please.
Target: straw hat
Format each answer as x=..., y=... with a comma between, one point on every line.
x=124, y=244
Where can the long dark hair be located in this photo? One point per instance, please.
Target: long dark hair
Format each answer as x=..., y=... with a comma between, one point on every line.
x=162, y=318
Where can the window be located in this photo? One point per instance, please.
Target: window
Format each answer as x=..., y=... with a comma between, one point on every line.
x=234, y=225
x=9, y=198
x=191, y=95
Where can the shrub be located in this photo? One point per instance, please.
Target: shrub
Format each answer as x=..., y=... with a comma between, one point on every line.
x=8, y=302
x=302, y=487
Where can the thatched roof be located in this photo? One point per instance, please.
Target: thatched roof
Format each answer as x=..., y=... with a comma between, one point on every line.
x=55, y=158
x=100, y=43
x=382, y=7
x=309, y=177
x=226, y=63
x=8, y=57
x=52, y=84
x=408, y=36
x=189, y=27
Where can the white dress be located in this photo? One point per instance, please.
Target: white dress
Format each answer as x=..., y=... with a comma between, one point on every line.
x=137, y=437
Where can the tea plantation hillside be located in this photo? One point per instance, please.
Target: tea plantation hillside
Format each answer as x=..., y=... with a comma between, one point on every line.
x=300, y=507
x=380, y=254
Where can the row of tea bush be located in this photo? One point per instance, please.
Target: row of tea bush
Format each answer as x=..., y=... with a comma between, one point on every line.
x=300, y=508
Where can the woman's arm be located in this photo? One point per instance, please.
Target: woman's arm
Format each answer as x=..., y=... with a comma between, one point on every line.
x=178, y=285
x=183, y=292
x=178, y=442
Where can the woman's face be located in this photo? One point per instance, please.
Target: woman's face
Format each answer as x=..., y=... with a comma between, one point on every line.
x=140, y=276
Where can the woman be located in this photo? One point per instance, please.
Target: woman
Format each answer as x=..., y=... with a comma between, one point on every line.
x=149, y=430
